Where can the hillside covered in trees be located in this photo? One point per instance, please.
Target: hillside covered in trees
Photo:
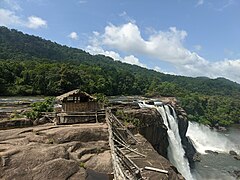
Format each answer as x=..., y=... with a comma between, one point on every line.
x=30, y=65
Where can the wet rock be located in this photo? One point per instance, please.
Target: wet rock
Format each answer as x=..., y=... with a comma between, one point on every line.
x=237, y=173
x=237, y=157
x=188, y=147
x=211, y=152
x=221, y=128
x=197, y=157
x=233, y=153
x=150, y=102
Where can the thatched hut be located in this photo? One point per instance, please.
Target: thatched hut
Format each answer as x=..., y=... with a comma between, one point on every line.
x=78, y=101
x=78, y=107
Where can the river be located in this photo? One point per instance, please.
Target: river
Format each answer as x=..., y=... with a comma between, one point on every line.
x=13, y=103
x=219, y=165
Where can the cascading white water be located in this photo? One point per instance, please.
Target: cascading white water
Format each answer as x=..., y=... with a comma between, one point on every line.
x=175, y=149
x=206, y=139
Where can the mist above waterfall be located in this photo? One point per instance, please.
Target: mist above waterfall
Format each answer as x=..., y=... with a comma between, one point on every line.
x=205, y=138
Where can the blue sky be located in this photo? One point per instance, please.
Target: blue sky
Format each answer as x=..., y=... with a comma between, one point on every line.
x=185, y=37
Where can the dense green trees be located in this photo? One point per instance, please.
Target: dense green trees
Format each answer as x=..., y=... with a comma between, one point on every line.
x=30, y=65
x=212, y=110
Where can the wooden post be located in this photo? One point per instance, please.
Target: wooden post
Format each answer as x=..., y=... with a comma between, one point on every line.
x=96, y=117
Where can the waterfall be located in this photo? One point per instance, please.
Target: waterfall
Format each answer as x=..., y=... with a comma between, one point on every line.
x=176, y=153
x=175, y=150
x=206, y=139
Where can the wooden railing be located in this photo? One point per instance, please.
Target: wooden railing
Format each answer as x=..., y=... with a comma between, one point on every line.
x=124, y=167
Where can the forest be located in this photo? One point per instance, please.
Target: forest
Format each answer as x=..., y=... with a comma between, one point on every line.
x=30, y=65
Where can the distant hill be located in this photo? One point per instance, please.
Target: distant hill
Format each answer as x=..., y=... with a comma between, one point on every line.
x=19, y=47
x=31, y=65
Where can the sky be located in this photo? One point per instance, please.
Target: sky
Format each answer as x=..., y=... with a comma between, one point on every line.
x=181, y=37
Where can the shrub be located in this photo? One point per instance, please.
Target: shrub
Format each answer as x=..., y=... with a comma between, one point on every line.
x=127, y=119
x=39, y=107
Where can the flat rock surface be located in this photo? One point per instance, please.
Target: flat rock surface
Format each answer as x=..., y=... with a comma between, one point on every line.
x=54, y=152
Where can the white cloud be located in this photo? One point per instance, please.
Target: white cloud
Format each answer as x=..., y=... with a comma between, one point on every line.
x=11, y=17
x=36, y=22
x=200, y=2
x=73, y=35
x=8, y=17
x=93, y=49
x=226, y=68
x=133, y=60
x=163, y=46
x=158, y=69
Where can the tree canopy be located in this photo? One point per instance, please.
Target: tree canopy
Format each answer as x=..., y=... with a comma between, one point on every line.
x=30, y=65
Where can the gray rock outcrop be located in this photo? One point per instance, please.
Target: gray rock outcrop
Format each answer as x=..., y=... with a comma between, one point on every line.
x=54, y=152
x=188, y=147
x=152, y=128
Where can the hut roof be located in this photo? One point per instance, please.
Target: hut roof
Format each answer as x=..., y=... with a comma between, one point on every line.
x=75, y=92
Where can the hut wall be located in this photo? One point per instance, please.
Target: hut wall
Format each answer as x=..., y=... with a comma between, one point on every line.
x=72, y=118
x=80, y=107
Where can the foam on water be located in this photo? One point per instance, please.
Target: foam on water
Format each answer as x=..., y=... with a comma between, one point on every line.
x=205, y=138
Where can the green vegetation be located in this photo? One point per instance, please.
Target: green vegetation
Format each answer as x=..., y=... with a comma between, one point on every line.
x=39, y=107
x=30, y=65
x=127, y=119
x=102, y=98
x=212, y=110
x=16, y=115
x=82, y=165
